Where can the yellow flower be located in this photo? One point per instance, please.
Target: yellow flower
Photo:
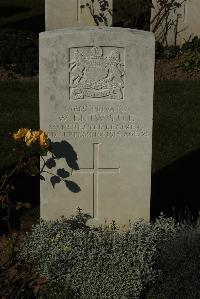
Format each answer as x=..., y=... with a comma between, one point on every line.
x=35, y=136
x=20, y=134
x=43, y=139
x=28, y=138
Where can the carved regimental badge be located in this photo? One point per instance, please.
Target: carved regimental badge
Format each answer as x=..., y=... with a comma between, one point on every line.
x=96, y=72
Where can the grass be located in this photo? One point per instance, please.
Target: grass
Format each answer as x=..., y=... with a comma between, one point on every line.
x=176, y=118
x=22, y=14
x=176, y=121
x=19, y=107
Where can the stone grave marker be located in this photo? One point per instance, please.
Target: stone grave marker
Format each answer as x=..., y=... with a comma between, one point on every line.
x=69, y=13
x=96, y=103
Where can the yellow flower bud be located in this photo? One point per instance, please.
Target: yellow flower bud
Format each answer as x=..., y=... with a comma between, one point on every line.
x=20, y=134
x=28, y=138
x=43, y=139
x=31, y=137
x=35, y=136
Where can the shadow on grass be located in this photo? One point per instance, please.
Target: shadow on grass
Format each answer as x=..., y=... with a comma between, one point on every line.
x=176, y=189
x=34, y=24
x=13, y=10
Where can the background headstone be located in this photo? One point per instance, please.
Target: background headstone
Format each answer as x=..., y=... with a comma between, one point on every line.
x=188, y=22
x=96, y=103
x=69, y=13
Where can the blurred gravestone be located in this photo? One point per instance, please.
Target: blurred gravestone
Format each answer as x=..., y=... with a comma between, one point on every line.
x=96, y=103
x=183, y=23
x=69, y=13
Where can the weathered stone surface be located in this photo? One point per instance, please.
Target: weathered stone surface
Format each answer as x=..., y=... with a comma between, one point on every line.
x=96, y=103
x=69, y=13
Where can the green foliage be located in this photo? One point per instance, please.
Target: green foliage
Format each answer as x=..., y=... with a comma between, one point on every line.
x=189, y=61
x=98, y=262
x=189, y=54
x=19, y=51
x=193, y=45
x=167, y=52
x=180, y=262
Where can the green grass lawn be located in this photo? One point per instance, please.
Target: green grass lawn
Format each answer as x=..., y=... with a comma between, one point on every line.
x=19, y=107
x=176, y=118
x=22, y=14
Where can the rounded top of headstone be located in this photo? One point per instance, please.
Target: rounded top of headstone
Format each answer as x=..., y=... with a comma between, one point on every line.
x=96, y=30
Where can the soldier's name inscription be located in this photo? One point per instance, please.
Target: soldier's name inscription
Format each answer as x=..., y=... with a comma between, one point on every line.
x=97, y=121
x=96, y=72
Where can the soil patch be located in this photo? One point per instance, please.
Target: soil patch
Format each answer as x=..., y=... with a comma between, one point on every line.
x=165, y=69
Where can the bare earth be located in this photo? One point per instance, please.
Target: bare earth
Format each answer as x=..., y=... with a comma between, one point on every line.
x=165, y=70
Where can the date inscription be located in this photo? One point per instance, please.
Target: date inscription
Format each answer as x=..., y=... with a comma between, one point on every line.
x=97, y=122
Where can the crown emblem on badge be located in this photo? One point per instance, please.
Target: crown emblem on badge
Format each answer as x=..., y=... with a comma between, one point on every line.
x=96, y=75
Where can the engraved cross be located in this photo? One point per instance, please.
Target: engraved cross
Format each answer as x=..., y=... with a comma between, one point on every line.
x=95, y=171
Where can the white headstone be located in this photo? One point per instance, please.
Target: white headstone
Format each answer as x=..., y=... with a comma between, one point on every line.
x=69, y=13
x=96, y=103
